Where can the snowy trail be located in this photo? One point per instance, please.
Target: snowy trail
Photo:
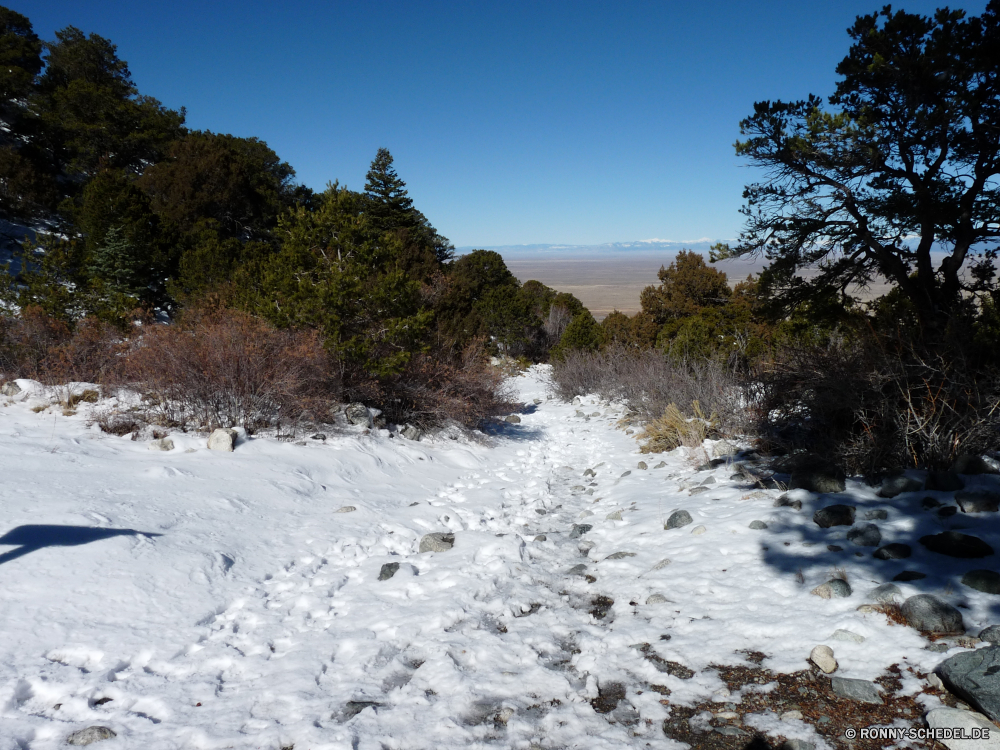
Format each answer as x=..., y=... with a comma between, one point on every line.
x=192, y=599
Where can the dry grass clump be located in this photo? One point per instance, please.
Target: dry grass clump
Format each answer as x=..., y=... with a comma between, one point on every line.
x=673, y=429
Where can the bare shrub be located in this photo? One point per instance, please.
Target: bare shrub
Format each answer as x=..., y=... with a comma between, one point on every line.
x=115, y=422
x=228, y=368
x=673, y=430
x=649, y=382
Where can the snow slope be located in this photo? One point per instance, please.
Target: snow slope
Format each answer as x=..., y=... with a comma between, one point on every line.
x=198, y=599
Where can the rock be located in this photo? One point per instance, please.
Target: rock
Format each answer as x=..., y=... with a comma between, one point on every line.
x=818, y=479
x=847, y=636
x=512, y=419
x=388, y=571
x=833, y=589
x=660, y=465
x=641, y=465
x=614, y=516
x=876, y=515
x=163, y=444
x=10, y=388
x=786, y=502
x=908, y=575
x=222, y=440
x=708, y=480
x=619, y=555
x=956, y=544
x=822, y=657
x=698, y=530
x=931, y=615
x=990, y=634
x=578, y=570
x=626, y=473
x=758, y=525
x=976, y=465
x=358, y=414
x=934, y=681
x=662, y=564
x=586, y=514
x=589, y=473
x=978, y=501
x=697, y=491
x=411, y=432
x=437, y=542
x=897, y=485
x=536, y=401
x=656, y=599
x=974, y=676
x=945, y=481
x=318, y=436
x=579, y=529
x=866, y=535
x=798, y=744
x=596, y=414
x=540, y=537
x=929, y=503
x=834, y=515
x=886, y=593
x=987, y=581
x=791, y=716
x=973, y=725
x=894, y=551
x=345, y=509
x=947, y=511
x=90, y=735
x=677, y=519
x=834, y=548
x=856, y=690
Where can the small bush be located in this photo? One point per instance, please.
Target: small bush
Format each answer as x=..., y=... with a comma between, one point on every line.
x=673, y=429
x=119, y=423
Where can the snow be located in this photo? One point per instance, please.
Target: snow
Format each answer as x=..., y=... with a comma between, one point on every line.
x=219, y=600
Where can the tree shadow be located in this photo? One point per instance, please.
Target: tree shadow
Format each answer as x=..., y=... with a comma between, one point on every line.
x=31, y=537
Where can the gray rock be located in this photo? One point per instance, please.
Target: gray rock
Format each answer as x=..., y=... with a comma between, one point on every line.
x=886, y=593
x=758, y=525
x=589, y=473
x=730, y=731
x=596, y=414
x=897, y=485
x=626, y=473
x=223, y=439
x=973, y=723
x=318, y=436
x=784, y=501
x=10, y=388
x=388, y=571
x=345, y=509
x=956, y=544
x=437, y=542
x=540, y=538
x=90, y=735
x=931, y=615
x=798, y=745
x=819, y=480
x=834, y=548
x=513, y=419
x=358, y=414
x=894, y=551
x=987, y=581
x=866, y=535
x=660, y=465
x=656, y=599
x=834, y=515
x=536, y=401
x=698, y=530
x=908, y=575
x=978, y=501
x=822, y=657
x=641, y=465
x=990, y=634
x=847, y=636
x=697, y=490
x=619, y=555
x=615, y=515
x=579, y=529
x=974, y=676
x=661, y=564
x=856, y=690
x=677, y=519
x=945, y=481
x=578, y=570
x=976, y=465
x=835, y=588
x=163, y=444
x=876, y=515
x=707, y=481
x=411, y=432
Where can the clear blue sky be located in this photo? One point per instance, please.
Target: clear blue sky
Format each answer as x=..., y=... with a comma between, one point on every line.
x=535, y=122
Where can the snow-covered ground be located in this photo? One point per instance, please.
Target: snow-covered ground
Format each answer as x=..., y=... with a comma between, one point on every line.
x=200, y=599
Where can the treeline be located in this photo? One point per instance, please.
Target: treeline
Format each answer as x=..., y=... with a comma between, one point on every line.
x=138, y=217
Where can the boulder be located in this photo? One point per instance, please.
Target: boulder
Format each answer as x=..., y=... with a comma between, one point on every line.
x=411, y=432
x=223, y=439
x=856, y=690
x=835, y=588
x=822, y=657
x=978, y=501
x=897, y=485
x=974, y=676
x=990, y=634
x=956, y=544
x=10, y=388
x=358, y=414
x=677, y=519
x=931, y=615
x=834, y=515
x=163, y=444
x=866, y=535
x=976, y=465
x=973, y=725
x=387, y=571
x=90, y=735
x=886, y=593
x=945, y=481
x=894, y=551
x=437, y=542
x=987, y=581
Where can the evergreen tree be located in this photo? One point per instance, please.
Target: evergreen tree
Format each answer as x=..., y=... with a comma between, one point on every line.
x=385, y=189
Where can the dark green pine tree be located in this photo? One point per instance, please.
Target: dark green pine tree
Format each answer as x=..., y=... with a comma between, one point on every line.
x=120, y=264
x=390, y=206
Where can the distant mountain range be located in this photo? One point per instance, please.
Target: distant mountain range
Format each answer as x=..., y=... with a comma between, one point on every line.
x=638, y=246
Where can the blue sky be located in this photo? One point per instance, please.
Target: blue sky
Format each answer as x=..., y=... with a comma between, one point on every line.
x=535, y=122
